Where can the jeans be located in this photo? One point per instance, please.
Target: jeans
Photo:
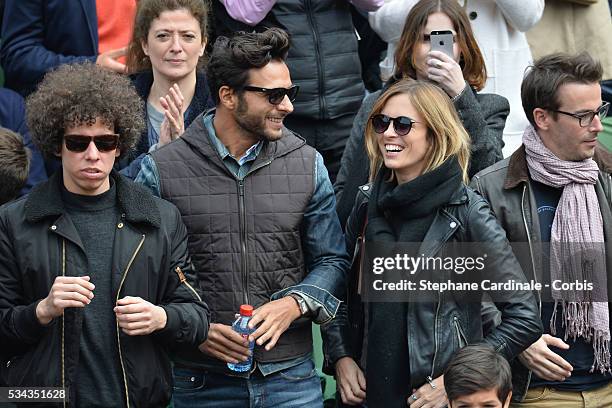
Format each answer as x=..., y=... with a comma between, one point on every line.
x=297, y=386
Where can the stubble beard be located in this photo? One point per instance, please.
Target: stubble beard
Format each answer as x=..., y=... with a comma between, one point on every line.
x=251, y=124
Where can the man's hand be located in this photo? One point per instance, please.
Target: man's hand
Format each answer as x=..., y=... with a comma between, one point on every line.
x=273, y=319
x=545, y=363
x=351, y=381
x=66, y=291
x=429, y=397
x=137, y=317
x=173, y=125
x=108, y=60
x=224, y=344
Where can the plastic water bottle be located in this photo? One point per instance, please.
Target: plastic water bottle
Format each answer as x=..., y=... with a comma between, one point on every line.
x=241, y=327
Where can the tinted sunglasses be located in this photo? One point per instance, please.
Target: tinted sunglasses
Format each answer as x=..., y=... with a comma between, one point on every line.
x=80, y=143
x=401, y=124
x=275, y=95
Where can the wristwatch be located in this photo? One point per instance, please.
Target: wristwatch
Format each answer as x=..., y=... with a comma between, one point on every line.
x=301, y=303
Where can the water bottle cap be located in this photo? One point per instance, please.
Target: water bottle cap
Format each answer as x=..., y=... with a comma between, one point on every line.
x=246, y=310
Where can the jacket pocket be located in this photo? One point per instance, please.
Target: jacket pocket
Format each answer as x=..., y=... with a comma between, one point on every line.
x=460, y=335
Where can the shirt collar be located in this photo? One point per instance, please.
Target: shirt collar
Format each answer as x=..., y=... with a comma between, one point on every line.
x=250, y=154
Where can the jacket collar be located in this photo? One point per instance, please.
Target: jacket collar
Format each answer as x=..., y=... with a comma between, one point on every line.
x=138, y=205
x=458, y=197
x=518, y=172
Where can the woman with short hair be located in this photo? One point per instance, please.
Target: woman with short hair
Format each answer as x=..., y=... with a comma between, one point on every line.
x=419, y=155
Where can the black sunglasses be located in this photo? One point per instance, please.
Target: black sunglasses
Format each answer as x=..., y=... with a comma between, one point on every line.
x=402, y=124
x=80, y=143
x=275, y=95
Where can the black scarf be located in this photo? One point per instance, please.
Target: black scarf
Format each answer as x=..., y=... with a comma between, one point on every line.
x=403, y=213
x=399, y=213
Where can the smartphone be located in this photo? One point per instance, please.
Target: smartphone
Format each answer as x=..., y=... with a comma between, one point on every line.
x=442, y=41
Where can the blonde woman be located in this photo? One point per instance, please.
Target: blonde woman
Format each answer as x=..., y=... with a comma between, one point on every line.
x=419, y=155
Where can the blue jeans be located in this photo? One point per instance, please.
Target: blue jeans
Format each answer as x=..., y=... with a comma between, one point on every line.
x=297, y=386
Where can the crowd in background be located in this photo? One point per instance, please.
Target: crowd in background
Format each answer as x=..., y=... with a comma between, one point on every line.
x=341, y=75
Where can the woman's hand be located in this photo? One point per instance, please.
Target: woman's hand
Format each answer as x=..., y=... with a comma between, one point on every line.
x=429, y=397
x=446, y=72
x=173, y=125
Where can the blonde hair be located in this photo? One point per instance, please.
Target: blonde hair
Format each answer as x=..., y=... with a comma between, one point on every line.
x=445, y=133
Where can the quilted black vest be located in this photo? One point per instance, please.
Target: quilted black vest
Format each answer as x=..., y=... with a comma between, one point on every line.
x=244, y=235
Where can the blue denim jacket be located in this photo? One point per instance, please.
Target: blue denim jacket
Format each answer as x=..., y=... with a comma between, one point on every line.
x=323, y=243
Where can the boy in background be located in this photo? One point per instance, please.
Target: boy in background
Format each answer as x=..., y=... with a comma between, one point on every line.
x=14, y=164
x=478, y=377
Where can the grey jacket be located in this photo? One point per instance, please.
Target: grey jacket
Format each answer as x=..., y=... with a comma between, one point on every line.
x=482, y=115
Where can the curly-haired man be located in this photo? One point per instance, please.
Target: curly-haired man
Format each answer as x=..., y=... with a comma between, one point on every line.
x=94, y=270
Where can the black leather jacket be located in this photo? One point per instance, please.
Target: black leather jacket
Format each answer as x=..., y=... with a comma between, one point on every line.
x=38, y=242
x=436, y=332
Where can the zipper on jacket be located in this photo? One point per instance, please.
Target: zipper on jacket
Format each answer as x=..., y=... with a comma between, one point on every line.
x=530, y=247
x=183, y=279
x=243, y=232
x=127, y=268
x=63, y=324
x=461, y=340
x=318, y=58
x=532, y=265
x=243, y=241
x=433, y=363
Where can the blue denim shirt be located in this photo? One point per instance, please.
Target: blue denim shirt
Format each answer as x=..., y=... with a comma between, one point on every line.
x=323, y=243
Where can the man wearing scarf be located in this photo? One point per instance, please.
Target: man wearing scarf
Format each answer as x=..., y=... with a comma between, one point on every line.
x=553, y=195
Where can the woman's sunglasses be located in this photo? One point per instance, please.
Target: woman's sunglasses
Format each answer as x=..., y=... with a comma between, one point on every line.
x=275, y=95
x=80, y=143
x=401, y=124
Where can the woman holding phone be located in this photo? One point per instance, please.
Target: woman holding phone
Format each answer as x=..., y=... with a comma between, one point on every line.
x=461, y=76
x=164, y=59
x=419, y=154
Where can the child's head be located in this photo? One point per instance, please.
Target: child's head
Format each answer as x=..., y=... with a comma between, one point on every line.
x=478, y=377
x=14, y=164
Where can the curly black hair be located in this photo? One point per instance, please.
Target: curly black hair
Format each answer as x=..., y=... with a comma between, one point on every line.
x=78, y=94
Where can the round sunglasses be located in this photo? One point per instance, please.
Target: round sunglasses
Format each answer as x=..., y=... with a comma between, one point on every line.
x=80, y=143
x=275, y=95
x=402, y=124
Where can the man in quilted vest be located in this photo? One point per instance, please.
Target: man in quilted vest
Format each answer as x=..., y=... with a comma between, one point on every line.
x=260, y=213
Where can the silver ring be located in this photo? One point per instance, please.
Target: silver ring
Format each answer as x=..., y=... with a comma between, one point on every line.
x=414, y=397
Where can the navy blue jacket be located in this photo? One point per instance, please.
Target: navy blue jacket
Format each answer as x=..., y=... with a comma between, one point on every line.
x=39, y=35
x=143, y=81
x=12, y=116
